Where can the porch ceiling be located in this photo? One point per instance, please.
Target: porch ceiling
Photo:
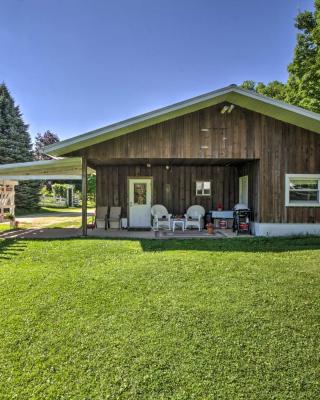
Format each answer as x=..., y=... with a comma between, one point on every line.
x=168, y=161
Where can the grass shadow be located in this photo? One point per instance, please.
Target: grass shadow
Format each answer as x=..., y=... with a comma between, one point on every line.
x=10, y=248
x=250, y=245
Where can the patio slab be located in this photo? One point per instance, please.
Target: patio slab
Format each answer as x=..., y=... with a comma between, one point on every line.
x=57, y=233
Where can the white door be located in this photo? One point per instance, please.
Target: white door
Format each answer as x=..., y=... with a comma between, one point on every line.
x=140, y=202
x=243, y=190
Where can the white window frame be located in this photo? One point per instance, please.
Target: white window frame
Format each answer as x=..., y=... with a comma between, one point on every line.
x=289, y=203
x=202, y=182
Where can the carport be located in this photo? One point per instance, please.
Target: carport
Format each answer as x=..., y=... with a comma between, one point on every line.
x=56, y=169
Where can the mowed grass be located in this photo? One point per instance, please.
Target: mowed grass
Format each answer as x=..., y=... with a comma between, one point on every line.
x=206, y=319
x=4, y=226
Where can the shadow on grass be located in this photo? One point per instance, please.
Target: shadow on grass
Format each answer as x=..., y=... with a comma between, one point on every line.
x=252, y=245
x=10, y=247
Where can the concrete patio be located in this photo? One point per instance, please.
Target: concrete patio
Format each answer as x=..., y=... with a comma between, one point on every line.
x=64, y=233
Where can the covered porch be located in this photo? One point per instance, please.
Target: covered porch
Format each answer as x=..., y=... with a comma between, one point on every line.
x=176, y=184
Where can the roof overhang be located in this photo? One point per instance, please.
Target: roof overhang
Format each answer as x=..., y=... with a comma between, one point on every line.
x=244, y=98
x=64, y=169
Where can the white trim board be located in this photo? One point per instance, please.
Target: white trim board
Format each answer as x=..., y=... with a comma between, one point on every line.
x=274, y=229
x=41, y=177
x=64, y=168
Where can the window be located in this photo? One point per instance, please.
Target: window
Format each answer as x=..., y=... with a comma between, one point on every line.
x=140, y=193
x=302, y=190
x=243, y=190
x=203, y=188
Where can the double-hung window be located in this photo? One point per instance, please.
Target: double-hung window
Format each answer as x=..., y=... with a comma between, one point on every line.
x=203, y=188
x=302, y=190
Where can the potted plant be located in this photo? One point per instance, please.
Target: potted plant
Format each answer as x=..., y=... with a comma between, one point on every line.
x=11, y=218
x=210, y=228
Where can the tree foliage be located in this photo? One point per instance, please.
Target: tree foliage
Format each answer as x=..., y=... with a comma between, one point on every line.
x=16, y=146
x=15, y=141
x=274, y=89
x=303, y=85
x=44, y=139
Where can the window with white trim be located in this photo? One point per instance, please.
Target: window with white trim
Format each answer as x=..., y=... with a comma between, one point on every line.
x=302, y=190
x=203, y=188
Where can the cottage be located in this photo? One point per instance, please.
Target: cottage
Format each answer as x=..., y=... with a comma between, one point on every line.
x=224, y=147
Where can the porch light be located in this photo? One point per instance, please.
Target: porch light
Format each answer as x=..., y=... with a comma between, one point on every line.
x=148, y=165
x=167, y=167
x=227, y=109
x=224, y=109
x=230, y=108
x=205, y=129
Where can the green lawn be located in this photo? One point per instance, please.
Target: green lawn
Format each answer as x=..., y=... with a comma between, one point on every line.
x=102, y=319
x=4, y=226
x=46, y=210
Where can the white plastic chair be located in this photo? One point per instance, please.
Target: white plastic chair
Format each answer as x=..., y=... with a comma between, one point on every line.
x=101, y=215
x=113, y=221
x=161, y=217
x=194, y=217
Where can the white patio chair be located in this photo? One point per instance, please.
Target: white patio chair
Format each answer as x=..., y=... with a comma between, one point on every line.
x=113, y=221
x=161, y=217
x=194, y=217
x=101, y=215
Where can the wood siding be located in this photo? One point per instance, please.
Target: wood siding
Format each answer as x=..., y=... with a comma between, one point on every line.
x=176, y=188
x=228, y=136
x=268, y=148
x=286, y=149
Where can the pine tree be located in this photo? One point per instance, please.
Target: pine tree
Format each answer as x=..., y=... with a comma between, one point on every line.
x=16, y=146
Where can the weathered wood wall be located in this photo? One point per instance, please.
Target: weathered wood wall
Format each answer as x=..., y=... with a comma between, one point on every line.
x=176, y=188
x=279, y=147
x=286, y=149
x=235, y=136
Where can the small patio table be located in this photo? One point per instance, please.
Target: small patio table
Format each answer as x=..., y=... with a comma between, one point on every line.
x=178, y=222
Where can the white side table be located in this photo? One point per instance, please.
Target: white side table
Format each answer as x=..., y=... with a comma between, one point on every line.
x=178, y=222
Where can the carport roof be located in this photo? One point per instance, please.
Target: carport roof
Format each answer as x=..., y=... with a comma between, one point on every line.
x=64, y=169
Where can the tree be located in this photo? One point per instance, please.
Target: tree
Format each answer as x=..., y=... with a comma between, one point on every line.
x=42, y=140
x=303, y=87
x=15, y=146
x=274, y=89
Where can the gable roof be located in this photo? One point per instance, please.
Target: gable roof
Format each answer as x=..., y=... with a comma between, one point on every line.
x=236, y=95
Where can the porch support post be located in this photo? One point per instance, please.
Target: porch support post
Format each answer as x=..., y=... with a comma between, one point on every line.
x=84, y=196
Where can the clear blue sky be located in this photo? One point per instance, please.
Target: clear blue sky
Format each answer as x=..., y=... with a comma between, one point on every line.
x=76, y=65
